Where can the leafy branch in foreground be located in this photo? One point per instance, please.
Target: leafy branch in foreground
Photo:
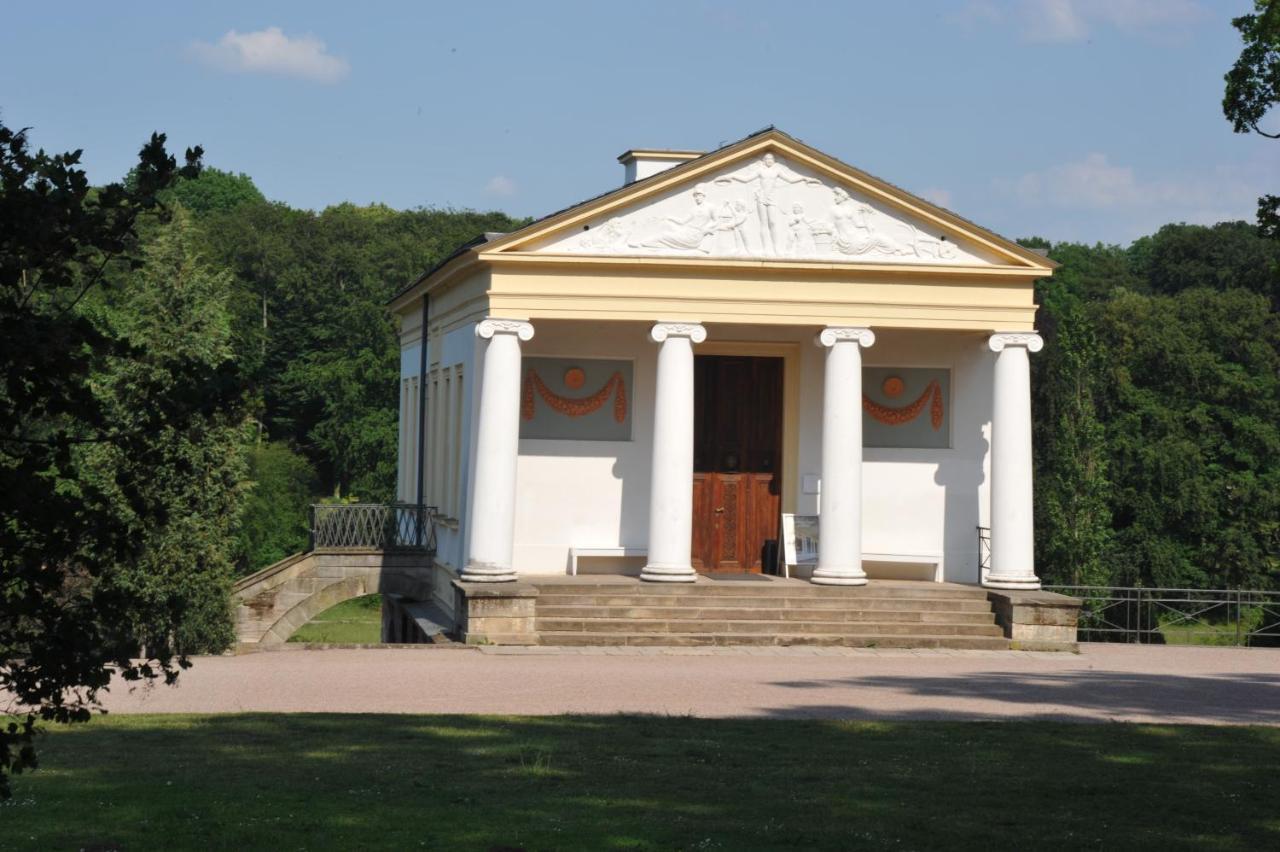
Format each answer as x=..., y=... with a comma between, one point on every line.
x=105, y=433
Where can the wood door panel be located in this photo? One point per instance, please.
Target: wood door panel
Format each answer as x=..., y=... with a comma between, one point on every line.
x=737, y=460
x=701, y=532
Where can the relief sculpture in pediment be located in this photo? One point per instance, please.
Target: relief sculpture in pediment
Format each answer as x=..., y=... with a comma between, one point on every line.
x=766, y=209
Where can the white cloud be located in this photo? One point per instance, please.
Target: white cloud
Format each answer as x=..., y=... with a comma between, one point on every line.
x=501, y=186
x=1091, y=183
x=270, y=51
x=1094, y=183
x=1077, y=20
x=940, y=197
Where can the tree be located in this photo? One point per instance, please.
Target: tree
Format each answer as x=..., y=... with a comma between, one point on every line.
x=66, y=622
x=1253, y=88
x=214, y=191
x=274, y=518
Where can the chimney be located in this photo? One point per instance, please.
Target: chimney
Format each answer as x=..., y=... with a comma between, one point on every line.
x=641, y=163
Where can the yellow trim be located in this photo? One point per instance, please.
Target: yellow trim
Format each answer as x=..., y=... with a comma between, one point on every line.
x=916, y=270
x=822, y=299
x=658, y=154
x=790, y=355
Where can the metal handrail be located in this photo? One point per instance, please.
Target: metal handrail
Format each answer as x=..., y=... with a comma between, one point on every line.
x=373, y=526
x=1176, y=616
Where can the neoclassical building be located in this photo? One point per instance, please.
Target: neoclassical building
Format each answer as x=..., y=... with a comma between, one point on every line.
x=644, y=383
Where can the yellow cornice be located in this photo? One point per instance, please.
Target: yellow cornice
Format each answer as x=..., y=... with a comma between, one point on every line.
x=780, y=267
x=658, y=154
x=460, y=265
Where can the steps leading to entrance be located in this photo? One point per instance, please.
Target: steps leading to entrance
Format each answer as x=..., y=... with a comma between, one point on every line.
x=881, y=614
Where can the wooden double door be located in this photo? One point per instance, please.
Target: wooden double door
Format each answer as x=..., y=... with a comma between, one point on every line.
x=737, y=461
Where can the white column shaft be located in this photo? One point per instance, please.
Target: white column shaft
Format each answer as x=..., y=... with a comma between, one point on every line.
x=492, y=509
x=671, y=486
x=840, y=507
x=1012, y=519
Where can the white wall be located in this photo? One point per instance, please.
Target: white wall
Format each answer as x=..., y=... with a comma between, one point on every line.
x=453, y=351
x=587, y=493
x=931, y=501
x=595, y=493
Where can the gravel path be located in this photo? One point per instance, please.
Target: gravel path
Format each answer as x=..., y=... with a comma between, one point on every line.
x=1103, y=683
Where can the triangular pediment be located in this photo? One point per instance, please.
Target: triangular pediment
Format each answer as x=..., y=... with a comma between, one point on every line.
x=768, y=198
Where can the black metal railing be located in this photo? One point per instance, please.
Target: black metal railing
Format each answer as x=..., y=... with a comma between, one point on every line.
x=984, y=549
x=1176, y=616
x=375, y=526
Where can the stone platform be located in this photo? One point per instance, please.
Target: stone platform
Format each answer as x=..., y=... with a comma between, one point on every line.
x=763, y=611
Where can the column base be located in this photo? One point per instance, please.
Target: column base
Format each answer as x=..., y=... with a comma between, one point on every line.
x=838, y=577
x=668, y=574
x=479, y=572
x=1017, y=583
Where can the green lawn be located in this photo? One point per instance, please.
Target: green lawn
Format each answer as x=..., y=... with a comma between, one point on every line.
x=357, y=621
x=312, y=781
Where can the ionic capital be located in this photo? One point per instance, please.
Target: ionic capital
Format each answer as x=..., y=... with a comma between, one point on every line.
x=490, y=326
x=832, y=335
x=1029, y=339
x=691, y=330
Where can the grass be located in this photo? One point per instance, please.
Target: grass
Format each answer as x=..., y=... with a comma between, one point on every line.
x=313, y=781
x=357, y=621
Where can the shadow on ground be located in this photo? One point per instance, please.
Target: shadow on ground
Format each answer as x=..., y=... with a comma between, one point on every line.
x=642, y=782
x=1250, y=699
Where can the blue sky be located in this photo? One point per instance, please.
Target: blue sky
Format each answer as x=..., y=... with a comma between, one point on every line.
x=1071, y=119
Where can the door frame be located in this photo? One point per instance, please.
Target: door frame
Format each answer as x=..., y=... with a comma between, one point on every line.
x=790, y=355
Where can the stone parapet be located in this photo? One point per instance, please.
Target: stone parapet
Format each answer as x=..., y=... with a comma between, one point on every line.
x=1035, y=620
x=495, y=613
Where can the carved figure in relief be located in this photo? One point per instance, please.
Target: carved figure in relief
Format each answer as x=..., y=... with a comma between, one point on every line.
x=802, y=231
x=729, y=219
x=608, y=235
x=854, y=233
x=688, y=233
x=938, y=248
x=767, y=174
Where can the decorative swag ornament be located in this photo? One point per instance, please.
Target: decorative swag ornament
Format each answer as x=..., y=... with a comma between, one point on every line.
x=569, y=406
x=897, y=416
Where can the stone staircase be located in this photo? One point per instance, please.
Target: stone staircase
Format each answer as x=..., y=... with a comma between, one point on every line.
x=882, y=614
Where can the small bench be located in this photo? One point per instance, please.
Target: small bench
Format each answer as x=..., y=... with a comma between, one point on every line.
x=933, y=559
x=575, y=553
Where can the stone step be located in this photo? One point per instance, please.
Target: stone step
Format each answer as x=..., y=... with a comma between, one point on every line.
x=726, y=613
x=631, y=625
x=686, y=640
x=763, y=602
x=766, y=588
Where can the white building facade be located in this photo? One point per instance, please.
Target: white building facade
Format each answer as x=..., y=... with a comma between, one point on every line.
x=646, y=382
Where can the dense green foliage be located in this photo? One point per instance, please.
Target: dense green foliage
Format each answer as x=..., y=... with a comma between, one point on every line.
x=313, y=332
x=274, y=520
x=1157, y=412
x=89, y=384
x=325, y=781
x=1253, y=89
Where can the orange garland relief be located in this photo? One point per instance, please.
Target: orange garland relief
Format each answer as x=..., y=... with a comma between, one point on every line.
x=570, y=406
x=891, y=416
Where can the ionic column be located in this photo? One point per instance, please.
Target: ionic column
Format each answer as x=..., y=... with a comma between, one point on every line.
x=1012, y=528
x=840, y=505
x=491, y=511
x=671, y=487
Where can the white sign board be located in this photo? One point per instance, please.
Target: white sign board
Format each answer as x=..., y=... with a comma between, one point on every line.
x=799, y=541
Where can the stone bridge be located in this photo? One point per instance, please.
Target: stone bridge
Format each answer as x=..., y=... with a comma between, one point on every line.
x=273, y=603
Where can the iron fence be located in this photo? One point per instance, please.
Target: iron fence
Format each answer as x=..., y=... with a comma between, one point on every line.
x=984, y=549
x=1176, y=616
x=376, y=526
